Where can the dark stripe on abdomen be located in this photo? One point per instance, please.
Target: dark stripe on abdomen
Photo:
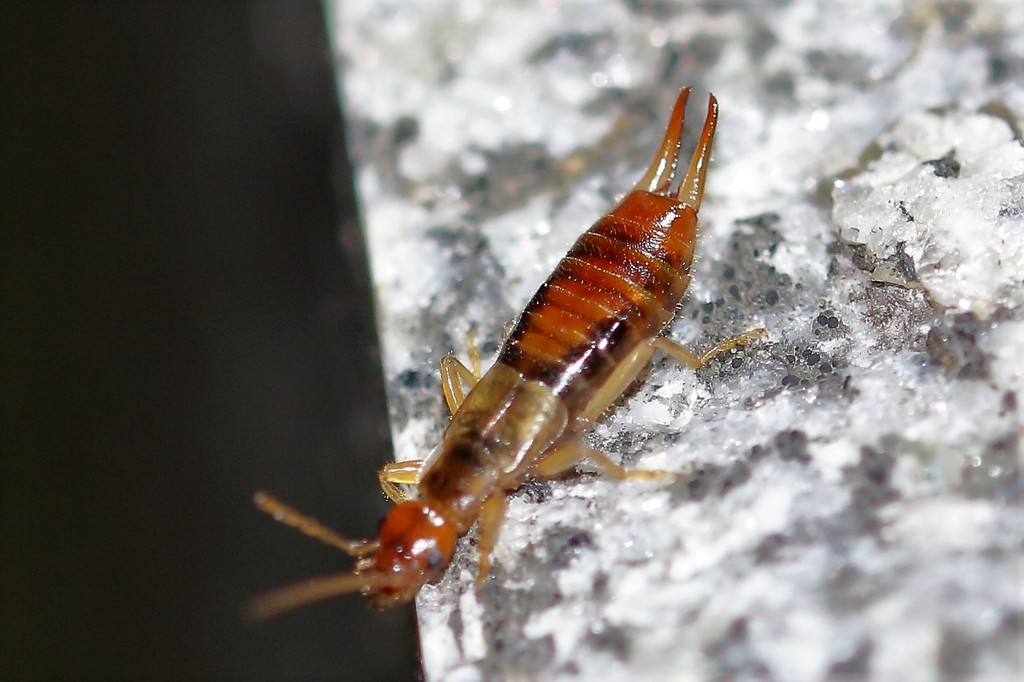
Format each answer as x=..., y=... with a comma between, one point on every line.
x=614, y=289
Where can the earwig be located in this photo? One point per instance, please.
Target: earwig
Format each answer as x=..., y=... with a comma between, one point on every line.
x=580, y=342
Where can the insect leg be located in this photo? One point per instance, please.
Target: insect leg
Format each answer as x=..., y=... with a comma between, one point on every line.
x=560, y=459
x=473, y=348
x=491, y=515
x=565, y=456
x=615, y=385
x=690, y=359
x=616, y=471
x=457, y=379
x=394, y=474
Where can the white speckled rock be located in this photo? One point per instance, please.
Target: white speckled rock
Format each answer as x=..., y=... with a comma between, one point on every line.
x=955, y=214
x=852, y=497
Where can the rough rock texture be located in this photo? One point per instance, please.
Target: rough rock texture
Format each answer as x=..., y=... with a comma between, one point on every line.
x=851, y=504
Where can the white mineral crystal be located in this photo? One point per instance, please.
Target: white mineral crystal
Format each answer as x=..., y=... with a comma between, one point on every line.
x=850, y=499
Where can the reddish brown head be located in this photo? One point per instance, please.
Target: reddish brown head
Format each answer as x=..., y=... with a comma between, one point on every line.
x=416, y=545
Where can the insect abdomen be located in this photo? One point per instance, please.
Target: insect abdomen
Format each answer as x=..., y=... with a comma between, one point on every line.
x=617, y=286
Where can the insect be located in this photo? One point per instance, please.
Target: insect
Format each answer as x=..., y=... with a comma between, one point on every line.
x=580, y=342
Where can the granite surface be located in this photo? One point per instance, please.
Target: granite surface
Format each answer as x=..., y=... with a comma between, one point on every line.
x=851, y=504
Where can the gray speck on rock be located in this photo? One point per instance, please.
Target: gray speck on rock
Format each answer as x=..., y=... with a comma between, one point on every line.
x=870, y=480
x=945, y=167
x=953, y=345
x=995, y=473
x=732, y=657
x=506, y=612
x=856, y=665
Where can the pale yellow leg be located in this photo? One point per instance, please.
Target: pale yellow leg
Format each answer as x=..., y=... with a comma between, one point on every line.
x=624, y=375
x=629, y=368
x=491, y=515
x=474, y=353
x=560, y=459
x=564, y=457
x=617, y=472
x=693, y=361
x=457, y=380
x=394, y=474
x=506, y=331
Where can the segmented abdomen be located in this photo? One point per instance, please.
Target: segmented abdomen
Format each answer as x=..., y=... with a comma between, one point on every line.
x=618, y=285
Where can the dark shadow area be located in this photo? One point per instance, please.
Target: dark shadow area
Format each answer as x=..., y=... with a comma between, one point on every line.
x=181, y=326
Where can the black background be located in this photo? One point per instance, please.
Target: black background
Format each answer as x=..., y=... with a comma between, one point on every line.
x=182, y=326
